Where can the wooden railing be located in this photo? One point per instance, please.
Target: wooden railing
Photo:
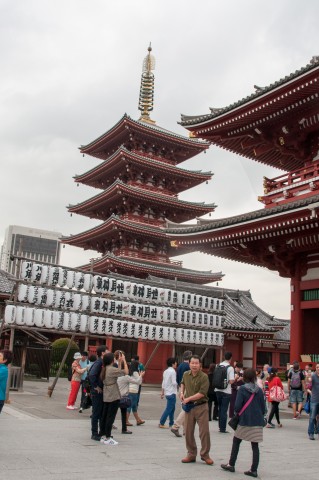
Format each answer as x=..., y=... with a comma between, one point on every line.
x=145, y=256
x=291, y=178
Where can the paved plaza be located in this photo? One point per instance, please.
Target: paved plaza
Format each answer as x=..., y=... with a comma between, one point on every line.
x=40, y=439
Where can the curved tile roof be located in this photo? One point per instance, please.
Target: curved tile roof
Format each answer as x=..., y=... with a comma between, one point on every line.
x=188, y=120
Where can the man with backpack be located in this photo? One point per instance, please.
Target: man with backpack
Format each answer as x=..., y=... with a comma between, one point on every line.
x=223, y=377
x=296, y=389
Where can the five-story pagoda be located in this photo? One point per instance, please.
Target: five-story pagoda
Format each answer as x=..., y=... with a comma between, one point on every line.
x=140, y=183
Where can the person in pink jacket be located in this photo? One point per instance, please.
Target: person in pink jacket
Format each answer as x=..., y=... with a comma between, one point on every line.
x=273, y=381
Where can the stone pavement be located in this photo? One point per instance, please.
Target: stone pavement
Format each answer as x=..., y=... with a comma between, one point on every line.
x=40, y=439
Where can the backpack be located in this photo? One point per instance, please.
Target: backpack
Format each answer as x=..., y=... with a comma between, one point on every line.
x=70, y=373
x=220, y=377
x=295, y=380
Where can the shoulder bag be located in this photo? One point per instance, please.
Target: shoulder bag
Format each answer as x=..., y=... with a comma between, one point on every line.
x=233, y=422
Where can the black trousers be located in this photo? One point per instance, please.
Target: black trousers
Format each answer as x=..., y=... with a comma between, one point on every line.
x=97, y=408
x=212, y=399
x=274, y=412
x=235, y=450
x=123, y=418
x=108, y=416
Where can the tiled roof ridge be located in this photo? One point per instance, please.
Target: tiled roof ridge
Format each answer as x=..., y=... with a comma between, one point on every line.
x=195, y=119
x=125, y=151
x=192, y=141
x=120, y=183
x=237, y=310
x=233, y=220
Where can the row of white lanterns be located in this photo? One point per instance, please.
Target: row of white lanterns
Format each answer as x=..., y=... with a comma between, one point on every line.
x=61, y=277
x=76, y=322
x=69, y=300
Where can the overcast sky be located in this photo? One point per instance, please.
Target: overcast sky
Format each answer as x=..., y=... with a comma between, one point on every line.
x=71, y=68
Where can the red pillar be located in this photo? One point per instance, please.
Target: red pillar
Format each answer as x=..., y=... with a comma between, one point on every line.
x=296, y=333
x=109, y=344
x=142, y=351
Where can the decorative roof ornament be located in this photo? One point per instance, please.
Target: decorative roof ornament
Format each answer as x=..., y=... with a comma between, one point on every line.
x=145, y=104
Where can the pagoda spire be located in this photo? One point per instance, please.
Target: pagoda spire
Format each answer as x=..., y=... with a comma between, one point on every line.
x=145, y=104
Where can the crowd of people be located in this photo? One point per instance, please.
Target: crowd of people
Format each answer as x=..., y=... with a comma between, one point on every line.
x=228, y=391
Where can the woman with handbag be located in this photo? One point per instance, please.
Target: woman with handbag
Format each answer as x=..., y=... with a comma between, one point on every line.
x=251, y=407
x=133, y=390
x=273, y=382
x=125, y=401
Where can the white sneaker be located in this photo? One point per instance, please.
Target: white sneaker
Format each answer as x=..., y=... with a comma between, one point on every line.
x=70, y=407
x=110, y=441
x=74, y=407
x=103, y=438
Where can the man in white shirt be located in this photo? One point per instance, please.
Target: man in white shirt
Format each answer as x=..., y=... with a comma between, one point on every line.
x=223, y=394
x=169, y=389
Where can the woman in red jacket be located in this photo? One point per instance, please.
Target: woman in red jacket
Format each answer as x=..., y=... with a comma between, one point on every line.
x=273, y=381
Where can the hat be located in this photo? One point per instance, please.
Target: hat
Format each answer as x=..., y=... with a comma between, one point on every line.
x=77, y=355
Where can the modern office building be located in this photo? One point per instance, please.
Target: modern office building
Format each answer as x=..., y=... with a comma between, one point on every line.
x=40, y=245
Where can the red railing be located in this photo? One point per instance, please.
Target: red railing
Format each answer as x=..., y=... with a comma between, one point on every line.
x=291, y=178
x=144, y=256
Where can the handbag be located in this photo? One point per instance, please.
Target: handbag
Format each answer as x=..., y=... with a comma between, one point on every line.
x=125, y=402
x=87, y=402
x=187, y=407
x=276, y=394
x=307, y=406
x=233, y=422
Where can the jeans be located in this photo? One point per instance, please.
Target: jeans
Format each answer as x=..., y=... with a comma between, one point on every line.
x=134, y=403
x=223, y=400
x=314, y=411
x=169, y=410
x=235, y=450
x=97, y=406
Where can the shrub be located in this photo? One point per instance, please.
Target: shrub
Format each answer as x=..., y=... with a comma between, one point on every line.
x=58, y=350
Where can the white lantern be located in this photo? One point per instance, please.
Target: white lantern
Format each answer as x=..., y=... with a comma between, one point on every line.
x=140, y=291
x=127, y=289
x=67, y=325
x=104, y=305
x=36, y=272
x=205, y=338
x=116, y=328
x=168, y=296
x=69, y=300
x=160, y=314
x=94, y=325
x=60, y=299
x=44, y=275
x=200, y=317
x=96, y=304
x=79, y=280
x=159, y=333
x=97, y=283
x=111, y=286
x=39, y=317
x=180, y=335
x=195, y=300
x=51, y=294
x=199, y=338
x=211, y=304
x=84, y=323
x=88, y=282
x=205, y=320
x=26, y=271
x=29, y=316
x=58, y=319
x=86, y=303
x=22, y=293
x=20, y=320
x=188, y=336
x=32, y=294
x=188, y=317
x=181, y=298
x=75, y=322
x=161, y=295
x=200, y=302
x=139, y=332
x=188, y=299
x=125, y=309
x=103, y=324
x=130, y=331
x=194, y=318
x=146, y=331
x=70, y=278
x=77, y=301
x=140, y=312
x=211, y=321
x=193, y=336
x=147, y=297
x=152, y=332
x=166, y=332
x=172, y=334
x=124, y=329
x=53, y=276
x=62, y=276
x=181, y=316
x=211, y=338
x=206, y=303
x=41, y=297
x=120, y=288
x=48, y=319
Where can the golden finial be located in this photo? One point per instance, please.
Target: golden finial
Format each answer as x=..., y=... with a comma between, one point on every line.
x=145, y=104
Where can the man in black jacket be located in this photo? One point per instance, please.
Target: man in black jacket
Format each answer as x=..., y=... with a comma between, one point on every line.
x=96, y=386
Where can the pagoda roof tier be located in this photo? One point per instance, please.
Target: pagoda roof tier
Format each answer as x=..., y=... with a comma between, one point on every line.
x=142, y=268
x=101, y=206
x=277, y=125
x=270, y=237
x=129, y=132
x=118, y=163
x=94, y=238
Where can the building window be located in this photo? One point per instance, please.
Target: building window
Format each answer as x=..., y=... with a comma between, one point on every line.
x=264, y=357
x=284, y=359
